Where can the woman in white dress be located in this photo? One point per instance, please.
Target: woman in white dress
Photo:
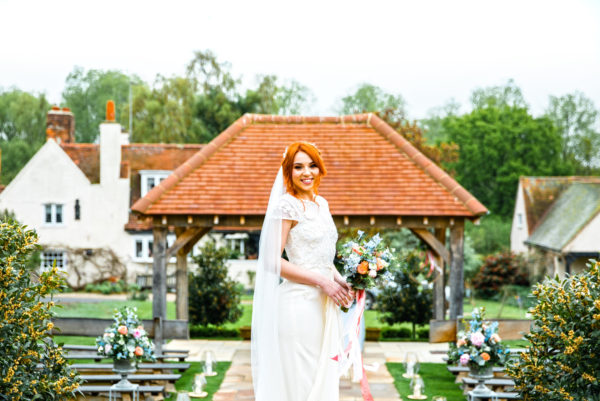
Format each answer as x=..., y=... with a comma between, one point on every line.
x=296, y=325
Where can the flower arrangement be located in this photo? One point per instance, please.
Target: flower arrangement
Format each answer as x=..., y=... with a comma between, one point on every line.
x=479, y=347
x=366, y=261
x=126, y=338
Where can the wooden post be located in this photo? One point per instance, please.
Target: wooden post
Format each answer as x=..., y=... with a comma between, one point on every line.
x=181, y=276
x=439, y=304
x=159, y=273
x=457, y=279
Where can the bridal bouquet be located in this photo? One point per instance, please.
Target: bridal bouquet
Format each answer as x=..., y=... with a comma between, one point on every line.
x=125, y=338
x=366, y=262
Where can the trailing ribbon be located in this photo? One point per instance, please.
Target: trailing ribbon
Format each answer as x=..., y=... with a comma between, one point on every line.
x=351, y=356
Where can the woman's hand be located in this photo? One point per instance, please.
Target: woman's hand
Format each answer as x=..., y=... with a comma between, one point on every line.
x=341, y=294
x=340, y=280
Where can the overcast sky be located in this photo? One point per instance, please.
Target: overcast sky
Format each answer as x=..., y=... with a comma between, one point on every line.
x=427, y=51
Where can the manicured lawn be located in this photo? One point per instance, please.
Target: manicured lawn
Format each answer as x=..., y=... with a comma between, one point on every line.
x=437, y=379
x=492, y=309
x=213, y=382
x=106, y=309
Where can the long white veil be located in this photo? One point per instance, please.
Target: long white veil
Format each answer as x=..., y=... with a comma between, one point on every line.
x=265, y=353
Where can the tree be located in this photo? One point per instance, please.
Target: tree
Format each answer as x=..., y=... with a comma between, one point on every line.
x=213, y=297
x=561, y=362
x=32, y=366
x=498, y=96
x=23, y=116
x=86, y=94
x=497, y=146
x=407, y=300
x=576, y=118
x=370, y=98
x=272, y=98
x=433, y=124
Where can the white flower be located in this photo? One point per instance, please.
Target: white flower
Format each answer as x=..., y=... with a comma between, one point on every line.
x=373, y=266
x=373, y=273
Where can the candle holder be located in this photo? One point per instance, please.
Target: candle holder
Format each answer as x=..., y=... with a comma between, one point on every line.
x=209, y=363
x=198, y=387
x=182, y=396
x=417, y=387
x=411, y=365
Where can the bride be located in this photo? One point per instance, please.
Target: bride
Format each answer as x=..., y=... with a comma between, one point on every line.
x=296, y=325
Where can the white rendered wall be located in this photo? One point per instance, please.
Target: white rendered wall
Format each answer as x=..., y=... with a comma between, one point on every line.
x=519, y=231
x=588, y=239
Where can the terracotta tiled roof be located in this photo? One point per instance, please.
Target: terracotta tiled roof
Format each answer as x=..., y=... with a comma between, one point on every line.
x=541, y=192
x=373, y=170
x=87, y=157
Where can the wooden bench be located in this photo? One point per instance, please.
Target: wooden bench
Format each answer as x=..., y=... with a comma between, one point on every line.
x=144, y=281
x=462, y=371
x=97, y=358
x=131, y=378
x=107, y=367
x=501, y=396
x=96, y=390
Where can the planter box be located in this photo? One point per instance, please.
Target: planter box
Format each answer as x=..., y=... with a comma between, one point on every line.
x=245, y=332
x=372, y=334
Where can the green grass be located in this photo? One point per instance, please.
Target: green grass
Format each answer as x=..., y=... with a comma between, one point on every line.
x=75, y=340
x=186, y=382
x=106, y=309
x=492, y=309
x=437, y=379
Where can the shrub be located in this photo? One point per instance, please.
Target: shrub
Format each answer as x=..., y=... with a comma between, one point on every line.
x=197, y=331
x=213, y=297
x=563, y=362
x=32, y=366
x=423, y=333
x=406, y=300
x=498, y=270
x=402, y=332
x=108, y=287
x=492, y=235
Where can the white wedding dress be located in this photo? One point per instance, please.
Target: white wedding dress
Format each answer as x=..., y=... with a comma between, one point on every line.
x=310, y=327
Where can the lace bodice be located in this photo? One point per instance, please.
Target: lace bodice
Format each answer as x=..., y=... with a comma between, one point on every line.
x=311, y=242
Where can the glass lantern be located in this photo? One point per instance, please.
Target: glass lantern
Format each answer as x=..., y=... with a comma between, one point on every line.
x=209, y=363
x=198, y=386
x=417, y=386
x=438, y=398
x=182, y=396
x=411, y=365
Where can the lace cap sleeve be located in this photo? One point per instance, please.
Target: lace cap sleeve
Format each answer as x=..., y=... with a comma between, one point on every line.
x=288, y=209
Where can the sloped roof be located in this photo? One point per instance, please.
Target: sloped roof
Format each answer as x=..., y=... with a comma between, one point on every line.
x=571, y=212
x=372, y=170
x=541, y=192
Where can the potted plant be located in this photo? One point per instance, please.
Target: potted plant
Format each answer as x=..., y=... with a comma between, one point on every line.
x=479, y=347
x=126, y=342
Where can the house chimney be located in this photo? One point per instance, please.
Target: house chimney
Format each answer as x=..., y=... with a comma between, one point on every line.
x=110, y=147
x=60, y=125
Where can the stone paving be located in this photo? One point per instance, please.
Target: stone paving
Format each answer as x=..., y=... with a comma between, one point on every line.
x=237, y=384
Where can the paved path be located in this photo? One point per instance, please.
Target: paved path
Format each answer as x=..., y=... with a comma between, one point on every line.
x=237, y=384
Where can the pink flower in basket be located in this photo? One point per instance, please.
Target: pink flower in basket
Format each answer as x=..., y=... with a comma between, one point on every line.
x=464, y=359
x=477, y=338
x=137, y=333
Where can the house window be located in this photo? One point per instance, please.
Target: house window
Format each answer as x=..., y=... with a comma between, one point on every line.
x=151, y=178
x=144, y=247
x=49, y=257
x=53, y=213
x=77, y=210
x=520, y=220
x=139, y=248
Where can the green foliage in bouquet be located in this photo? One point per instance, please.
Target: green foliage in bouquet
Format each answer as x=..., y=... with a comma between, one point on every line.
x=126, y=338
x=504, y=268
x=406, y=299
x=366, y=261
x=213, y=297
x=563, y=362
x=32, y=366
x=479, y=345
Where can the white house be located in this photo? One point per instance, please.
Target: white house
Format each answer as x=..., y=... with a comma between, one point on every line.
x=560, y=218
x=78, y=198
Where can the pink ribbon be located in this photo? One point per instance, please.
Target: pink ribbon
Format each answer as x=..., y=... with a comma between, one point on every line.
x=351, y=356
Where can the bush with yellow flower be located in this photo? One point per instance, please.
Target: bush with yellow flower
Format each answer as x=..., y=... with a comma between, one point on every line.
x=562, y=361
x=32, y=366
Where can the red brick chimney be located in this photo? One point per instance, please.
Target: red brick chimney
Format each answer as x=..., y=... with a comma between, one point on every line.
x=60, y=125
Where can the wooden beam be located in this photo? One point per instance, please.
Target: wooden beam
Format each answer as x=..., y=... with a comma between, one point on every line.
x=441, y=331
x=187, y=248
x=92, y=327
x=183, y=237
x=457, y=277
x=439, y=296
x=433, y=242
x=159, y=273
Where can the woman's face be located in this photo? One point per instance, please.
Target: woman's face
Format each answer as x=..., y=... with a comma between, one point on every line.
x=304, y=173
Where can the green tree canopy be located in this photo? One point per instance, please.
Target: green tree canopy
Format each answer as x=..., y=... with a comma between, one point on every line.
x=577, y=120
x=86, y=94
x=369, y=98
x=497, y=146
x=498, y=96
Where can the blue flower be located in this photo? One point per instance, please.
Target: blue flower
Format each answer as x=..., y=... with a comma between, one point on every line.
x=360, y=233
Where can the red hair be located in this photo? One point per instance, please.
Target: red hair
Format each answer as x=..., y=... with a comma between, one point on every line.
x=287, y=164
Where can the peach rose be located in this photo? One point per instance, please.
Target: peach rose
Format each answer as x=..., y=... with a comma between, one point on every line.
x=363, y=267
x=460, y=343
x=122, y=330
x=495, y=337
x=485, y=356
x=139, y=351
